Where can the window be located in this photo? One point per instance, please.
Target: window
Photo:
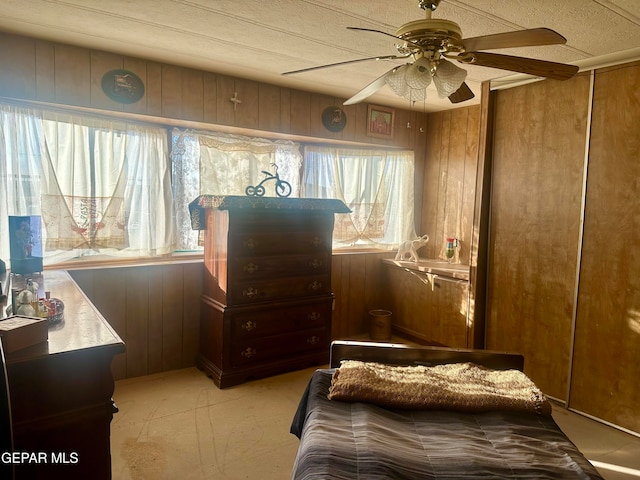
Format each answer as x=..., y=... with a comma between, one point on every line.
x=206, y=163
x=377, y=185
x=114, y=188
x=100, y=187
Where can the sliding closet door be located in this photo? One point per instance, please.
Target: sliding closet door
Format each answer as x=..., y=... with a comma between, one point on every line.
x=606, y=364
x=534, y=232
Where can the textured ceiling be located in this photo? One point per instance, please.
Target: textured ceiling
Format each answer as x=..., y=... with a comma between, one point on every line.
x=260, y=39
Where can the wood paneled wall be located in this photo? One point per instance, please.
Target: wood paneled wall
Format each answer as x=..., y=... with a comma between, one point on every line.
x=355, y=280
x=449, y=181
x=443, y=314
x=605, y=378
x=150, y=307
x=159, y=326
x=55, y=73
x=538, y=167
x=156, y=309
x=562, y=276
x=432, y=311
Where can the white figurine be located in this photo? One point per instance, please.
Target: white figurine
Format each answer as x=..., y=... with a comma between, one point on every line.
x=33, y=288
x=24, y=307
x=408, y=251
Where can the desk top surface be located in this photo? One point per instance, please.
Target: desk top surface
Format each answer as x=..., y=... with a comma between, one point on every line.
x=83, y=326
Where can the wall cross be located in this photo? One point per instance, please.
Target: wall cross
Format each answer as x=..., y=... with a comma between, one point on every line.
x=236, y=101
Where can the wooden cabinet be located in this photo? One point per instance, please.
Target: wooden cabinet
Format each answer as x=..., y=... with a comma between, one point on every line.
x=267, y=299
x=61, y=391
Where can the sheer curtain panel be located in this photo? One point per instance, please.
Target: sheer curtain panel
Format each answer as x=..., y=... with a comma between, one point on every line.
x=101, y=187
x=377, y=185
x=223, y=164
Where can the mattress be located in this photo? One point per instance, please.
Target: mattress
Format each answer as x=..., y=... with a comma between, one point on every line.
x=356, y=440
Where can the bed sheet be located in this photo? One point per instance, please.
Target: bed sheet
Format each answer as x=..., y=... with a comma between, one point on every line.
x=340, y=440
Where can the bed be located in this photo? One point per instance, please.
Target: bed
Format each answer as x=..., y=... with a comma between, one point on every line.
x=375, y=426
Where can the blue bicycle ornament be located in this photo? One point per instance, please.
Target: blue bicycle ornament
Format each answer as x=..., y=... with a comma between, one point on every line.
x=283, y=188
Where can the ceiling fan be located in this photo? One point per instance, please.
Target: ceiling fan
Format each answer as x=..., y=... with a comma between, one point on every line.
x=431, y=43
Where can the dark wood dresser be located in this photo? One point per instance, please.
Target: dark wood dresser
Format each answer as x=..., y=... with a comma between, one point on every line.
x=61, y=391
x=267, y=301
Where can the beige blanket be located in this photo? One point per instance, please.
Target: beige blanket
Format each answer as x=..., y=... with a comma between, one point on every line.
x=457, y=386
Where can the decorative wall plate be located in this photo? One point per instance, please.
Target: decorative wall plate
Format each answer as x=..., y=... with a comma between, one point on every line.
x=334, y=119
x=122, y=86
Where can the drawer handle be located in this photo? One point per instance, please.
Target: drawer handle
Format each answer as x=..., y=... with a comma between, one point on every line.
x=313, y=340
x=250, y=292
x=251, y=268
x=316, y=241
x=250, y=243
x=249, y=325
x=313, y=316
x=315, y=263
x=315, y=285
x=248, y=352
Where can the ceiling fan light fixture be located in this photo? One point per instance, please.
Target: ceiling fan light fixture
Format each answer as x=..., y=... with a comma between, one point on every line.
x=448, y=78
x=410, y=81
x=395, y=80
x=418, y=74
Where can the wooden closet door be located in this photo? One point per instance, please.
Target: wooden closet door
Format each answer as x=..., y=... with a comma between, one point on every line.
x=605, y=379
x=534, y=230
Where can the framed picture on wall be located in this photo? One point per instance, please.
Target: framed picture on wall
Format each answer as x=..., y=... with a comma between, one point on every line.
x=380, y=122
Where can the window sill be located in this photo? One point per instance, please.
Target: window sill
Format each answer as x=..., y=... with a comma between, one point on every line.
x=179, y=258
x=359, y=250
x=105, y=262
x=437, y=268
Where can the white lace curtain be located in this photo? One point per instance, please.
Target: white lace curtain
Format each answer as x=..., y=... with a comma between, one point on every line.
x=208, y=163
x=377, y=185
x=100, y=187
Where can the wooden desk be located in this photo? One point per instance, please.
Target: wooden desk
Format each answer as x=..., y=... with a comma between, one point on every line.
x=61, y=391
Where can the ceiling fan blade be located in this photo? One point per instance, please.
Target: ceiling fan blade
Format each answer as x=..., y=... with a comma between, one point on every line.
x=374, y=31
x=383, y=57
x=372, y=88
x=540, y=68
x=463, y=94
x=387, y=34
x=521, y=38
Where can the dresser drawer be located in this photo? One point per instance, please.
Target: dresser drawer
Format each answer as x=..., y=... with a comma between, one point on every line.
x=259, y=350
x=291, y=220
x=244, y=292
x=245, y=268
x=279, y=243
x=279, y=320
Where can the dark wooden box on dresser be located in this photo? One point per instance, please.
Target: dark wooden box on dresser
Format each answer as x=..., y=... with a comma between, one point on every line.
x=267, y=300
